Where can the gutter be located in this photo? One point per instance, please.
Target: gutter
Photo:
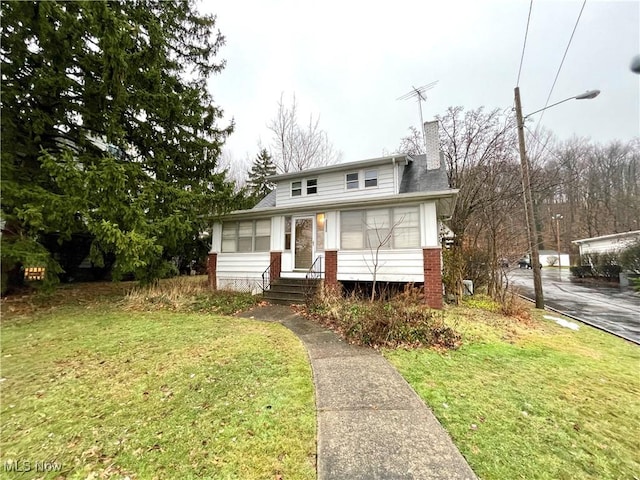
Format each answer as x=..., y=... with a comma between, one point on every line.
x=333, y=205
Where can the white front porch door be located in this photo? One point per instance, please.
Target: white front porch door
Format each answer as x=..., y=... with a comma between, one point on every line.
x=303, y=242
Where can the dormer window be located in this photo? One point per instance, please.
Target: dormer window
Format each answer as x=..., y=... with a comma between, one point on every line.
x=312, y=186
x=370, y=178
x=353, y=182
x=296, y=189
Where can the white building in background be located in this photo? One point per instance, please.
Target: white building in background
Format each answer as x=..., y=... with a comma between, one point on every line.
x=607, y=243
x=549, y=258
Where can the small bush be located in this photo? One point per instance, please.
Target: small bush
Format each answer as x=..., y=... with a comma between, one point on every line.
x=630, y=258
x=581, y=271
x=403, y=321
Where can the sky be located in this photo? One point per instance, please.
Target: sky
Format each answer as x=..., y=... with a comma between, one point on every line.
x=347, y=62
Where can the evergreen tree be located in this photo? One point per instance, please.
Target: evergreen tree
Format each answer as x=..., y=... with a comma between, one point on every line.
x=108, y=130
x=263, y=167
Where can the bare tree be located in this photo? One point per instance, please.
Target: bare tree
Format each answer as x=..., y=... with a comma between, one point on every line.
x=412, y=144
x=235, y=170
x=481, y=161
x=296, y=147
x=383, y=236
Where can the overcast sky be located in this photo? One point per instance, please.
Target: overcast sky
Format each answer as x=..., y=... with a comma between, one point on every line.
x=348, y=61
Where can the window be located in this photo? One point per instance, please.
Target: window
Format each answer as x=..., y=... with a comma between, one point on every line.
x=352, y=181
x=262, y=241
x=370, y=178
x=246, y=236
x=406, y=234
x=296, y=189
x=377, y=227
x=390, y=228
x=351, y=229
x=312, y=186
x=287, y=233
x=229, y=233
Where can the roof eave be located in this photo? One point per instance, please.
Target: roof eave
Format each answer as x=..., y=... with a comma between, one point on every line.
x=341, y=166
x=445, y=198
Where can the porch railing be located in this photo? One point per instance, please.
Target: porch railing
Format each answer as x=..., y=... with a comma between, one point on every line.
x=266, y=277
x=315, y=270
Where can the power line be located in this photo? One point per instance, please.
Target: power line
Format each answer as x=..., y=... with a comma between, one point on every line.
x=524, y=45
x=562, y=62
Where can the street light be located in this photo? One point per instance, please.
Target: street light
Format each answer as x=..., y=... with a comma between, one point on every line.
x=588, y=95
x=557, y=217
x=526, y=186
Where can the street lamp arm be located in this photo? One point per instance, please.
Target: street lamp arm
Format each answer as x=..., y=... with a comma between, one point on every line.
x=588, y=95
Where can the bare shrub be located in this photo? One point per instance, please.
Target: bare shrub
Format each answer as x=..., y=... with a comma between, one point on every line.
x=403, y=321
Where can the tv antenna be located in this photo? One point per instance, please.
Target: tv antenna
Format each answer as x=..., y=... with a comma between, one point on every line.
x=419, y=94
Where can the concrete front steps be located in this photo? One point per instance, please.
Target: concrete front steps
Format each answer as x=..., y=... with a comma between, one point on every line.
x=292, y=291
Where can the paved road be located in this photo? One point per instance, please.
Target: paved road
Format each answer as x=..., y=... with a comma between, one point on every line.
x=612, y=308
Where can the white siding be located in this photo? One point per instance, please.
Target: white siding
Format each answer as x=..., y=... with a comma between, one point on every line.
x=332, y=236
x=235, y=270
x=607, y=245
x=552, y=258
x=216, y=237
x=331, y=186
x=429, y=235
x=393, y=266
x=287, y=261
x=277, y=234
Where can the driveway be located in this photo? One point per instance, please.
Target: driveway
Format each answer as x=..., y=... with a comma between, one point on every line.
x=614, y=309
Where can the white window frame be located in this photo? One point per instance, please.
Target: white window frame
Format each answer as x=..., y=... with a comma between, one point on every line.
x=235, y=237
x=375, y=178
x=364, y=232
x=348, y=183
x=296, y=188
x=315, y=186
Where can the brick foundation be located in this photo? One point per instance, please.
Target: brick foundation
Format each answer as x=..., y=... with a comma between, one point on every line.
x=275, y=260
x=212, y=266
x=431, y=258
x=331, y=269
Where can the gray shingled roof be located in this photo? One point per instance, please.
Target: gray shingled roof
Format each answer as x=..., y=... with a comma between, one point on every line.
x=268, y=201
x=416, y=177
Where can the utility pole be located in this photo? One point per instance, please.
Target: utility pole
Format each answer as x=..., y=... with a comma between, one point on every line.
x=528, y=202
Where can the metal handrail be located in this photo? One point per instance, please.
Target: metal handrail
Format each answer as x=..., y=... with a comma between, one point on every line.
x=266, y=277
x=312, y=273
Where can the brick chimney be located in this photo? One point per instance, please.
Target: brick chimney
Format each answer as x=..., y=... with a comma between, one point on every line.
x=432, y=145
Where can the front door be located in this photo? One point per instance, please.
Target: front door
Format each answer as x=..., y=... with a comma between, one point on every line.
x=303, y=243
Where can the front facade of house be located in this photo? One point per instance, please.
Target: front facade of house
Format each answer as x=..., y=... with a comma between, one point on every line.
x=607, y=243
x=349, y=222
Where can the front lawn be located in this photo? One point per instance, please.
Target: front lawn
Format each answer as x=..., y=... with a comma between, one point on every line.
x=529, y=400
x=100, y=392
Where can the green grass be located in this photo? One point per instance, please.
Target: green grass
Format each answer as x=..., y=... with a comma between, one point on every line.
x=533, y=400
x=107, y=393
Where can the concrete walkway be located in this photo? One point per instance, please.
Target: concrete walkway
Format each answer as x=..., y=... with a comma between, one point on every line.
x=371, y=424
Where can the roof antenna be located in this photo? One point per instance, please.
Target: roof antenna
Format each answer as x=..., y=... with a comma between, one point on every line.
x=419, y=94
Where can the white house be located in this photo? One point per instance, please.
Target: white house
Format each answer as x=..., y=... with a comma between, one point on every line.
x=330, y=221
x=607, y=243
